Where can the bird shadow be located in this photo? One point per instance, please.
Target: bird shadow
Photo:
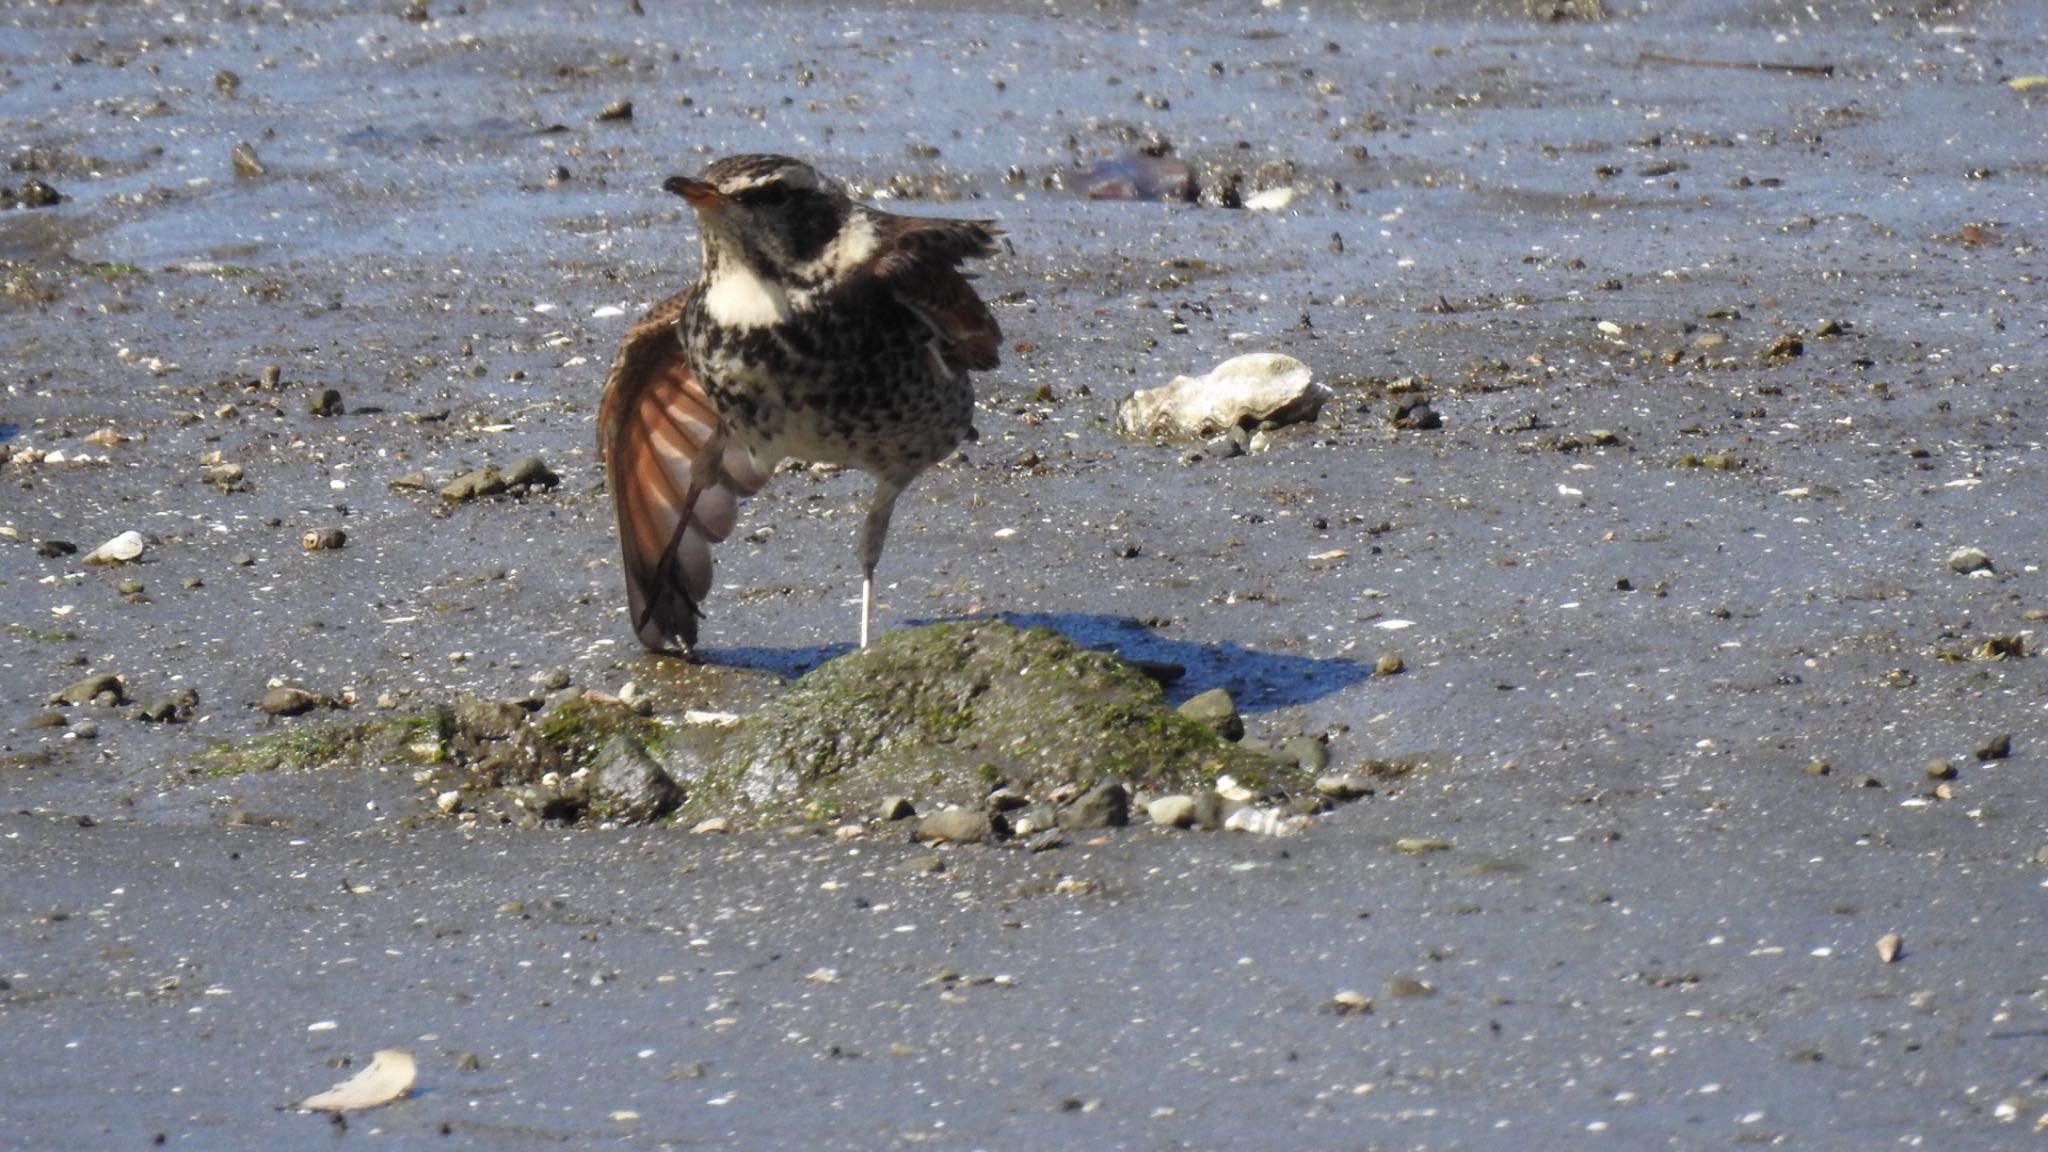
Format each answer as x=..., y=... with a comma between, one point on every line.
x=1257, y=680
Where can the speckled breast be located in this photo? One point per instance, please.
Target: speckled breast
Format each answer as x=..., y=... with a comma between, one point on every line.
x=854, y=380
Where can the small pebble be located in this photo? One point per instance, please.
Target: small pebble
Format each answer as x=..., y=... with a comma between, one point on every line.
x=715, y=824
x=1888, y=946
x=323, y=539
x=247, y=164
x=1968, y=560
x=896, y=808
x=1940, y=770
x=531, y=472
x=1106, y=805
x=326, y=402
x=1172, y=811
x=1344, y=787
x=1216, y=711
x=1389, y=665
x=289, y=701
x=1420, y=845
x=1997, y=748
x=474, y=485
x=1348, y=1003
x=956, y=826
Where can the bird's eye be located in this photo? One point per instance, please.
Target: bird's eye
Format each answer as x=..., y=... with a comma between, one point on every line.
x=763, y=195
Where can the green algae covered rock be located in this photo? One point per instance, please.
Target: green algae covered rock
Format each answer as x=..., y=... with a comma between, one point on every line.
x=945, y=711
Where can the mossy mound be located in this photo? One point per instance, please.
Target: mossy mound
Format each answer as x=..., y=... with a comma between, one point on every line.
x=946, y=712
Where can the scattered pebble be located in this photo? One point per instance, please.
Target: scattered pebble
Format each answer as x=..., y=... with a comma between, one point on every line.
x=616, y=110
x=326, y=402
x=1344, y=787
x=1888, y=946
x=246, y=163
x=1349, y=1003
x=956, y=826
x=713, y=825
x=323, y=539
x=1216, y=711
x=1969, y=560
x=1174, y=811
x=1107, y=805
x=1940, y=770
x=36, y=194
x=1389, y=665
x=474, y=485
x=1421, y=845
x=896, y=808
x=531, y=472
x=289, y=701
x=1997, y=748
x=90, y=689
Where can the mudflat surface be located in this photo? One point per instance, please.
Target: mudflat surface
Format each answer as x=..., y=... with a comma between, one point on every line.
x=1651, y=567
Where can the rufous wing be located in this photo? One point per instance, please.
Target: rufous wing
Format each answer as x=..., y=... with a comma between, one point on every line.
x=676, y=485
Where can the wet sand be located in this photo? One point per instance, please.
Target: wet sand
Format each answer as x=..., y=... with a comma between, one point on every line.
x=1653, y=565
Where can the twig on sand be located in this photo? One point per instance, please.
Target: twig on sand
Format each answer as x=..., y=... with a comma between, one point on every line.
x=1743, y=65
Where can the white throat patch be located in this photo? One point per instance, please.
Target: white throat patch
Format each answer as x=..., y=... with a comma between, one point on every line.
x=739, y=298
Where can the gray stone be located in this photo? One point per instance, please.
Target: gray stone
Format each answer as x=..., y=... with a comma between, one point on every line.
x=531, y=472
x=474, y=485
x=1107, y=805
x=628, y=787
x=896, y=808
x=1968, y=560
x=1174, y=811
x=956, y=826
x=1311, y=754
x=1344, y=786
x=1211, y=810
x=483, y=719
x=288, y=701
x=1216, y=711
x=86, y=690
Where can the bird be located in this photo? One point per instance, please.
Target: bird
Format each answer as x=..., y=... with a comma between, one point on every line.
x=818, y=328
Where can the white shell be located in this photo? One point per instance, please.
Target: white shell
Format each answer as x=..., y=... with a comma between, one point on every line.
x=1263, y=822
x=1242, y=390
x=389, y=1077
x=120, y=550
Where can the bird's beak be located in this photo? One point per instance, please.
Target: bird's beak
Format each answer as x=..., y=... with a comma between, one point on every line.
x=697, y=192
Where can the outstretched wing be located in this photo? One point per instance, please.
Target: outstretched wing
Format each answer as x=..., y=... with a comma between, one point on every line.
x=921, y=261
x=675, y=484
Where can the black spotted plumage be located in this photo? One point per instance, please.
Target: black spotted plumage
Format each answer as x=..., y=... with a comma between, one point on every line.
x=819, y=328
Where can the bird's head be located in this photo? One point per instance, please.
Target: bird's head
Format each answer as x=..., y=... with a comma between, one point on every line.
x=776, y=215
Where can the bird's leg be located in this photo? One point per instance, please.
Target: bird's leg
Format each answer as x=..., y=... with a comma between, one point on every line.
x=867, y=605
x=873, y=531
